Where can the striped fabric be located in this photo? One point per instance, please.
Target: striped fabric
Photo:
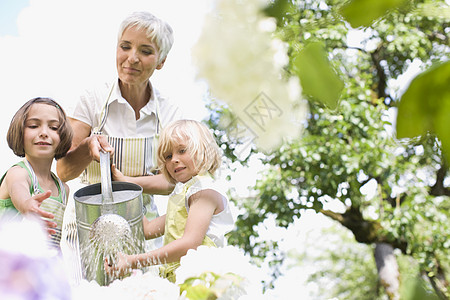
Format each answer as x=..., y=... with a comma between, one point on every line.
x=56, y=208
x=55, y=205
x=132, y=156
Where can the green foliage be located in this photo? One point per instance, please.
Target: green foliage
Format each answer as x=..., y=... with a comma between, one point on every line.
x=343, y=151
x=414, y=286
x=212, y=286
x=347, y=269
x=279, y=10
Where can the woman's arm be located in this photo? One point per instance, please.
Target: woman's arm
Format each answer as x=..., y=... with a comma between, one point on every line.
x=156, y=184
x=67, y=188
x=201, y=210
x=84, y=149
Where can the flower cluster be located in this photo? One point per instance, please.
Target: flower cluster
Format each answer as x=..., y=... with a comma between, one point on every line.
x=137, y=286
x=242, y=63
x=29, y=269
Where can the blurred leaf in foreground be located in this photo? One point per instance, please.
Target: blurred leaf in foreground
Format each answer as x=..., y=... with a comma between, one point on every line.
x=317, y=77
x=425, y=106
x=373, y=9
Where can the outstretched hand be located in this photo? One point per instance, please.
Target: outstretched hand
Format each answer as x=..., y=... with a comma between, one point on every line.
x=33, y=205
x=118, y=267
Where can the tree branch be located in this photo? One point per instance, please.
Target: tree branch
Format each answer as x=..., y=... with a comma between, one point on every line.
x=365, y=231
x=381, y=75
x=438, y=189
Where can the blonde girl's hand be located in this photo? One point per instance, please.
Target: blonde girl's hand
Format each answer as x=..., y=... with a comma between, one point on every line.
x=116, y=175
x=118, y=267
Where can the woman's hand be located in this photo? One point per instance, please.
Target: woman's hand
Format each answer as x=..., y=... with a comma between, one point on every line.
x=118, y=267
x=97, y=143
x=85, y=148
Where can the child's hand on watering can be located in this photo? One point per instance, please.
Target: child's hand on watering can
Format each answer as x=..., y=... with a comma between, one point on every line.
x=116, y=175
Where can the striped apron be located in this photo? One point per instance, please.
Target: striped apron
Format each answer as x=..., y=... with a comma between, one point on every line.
x=133, y=156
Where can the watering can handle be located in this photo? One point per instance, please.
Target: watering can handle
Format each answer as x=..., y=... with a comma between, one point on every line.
x=105, y=172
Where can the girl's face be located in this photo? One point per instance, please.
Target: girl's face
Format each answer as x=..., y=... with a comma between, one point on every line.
x=137, y=57
x=179, y=163
x=41, y=136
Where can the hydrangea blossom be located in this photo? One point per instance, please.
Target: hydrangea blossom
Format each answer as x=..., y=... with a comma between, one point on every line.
x=137, y=286
x=29, y=269
x=242, y=62
x=223, y=272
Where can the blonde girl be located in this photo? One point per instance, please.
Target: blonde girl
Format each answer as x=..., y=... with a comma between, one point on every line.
x=39, y=132
x=198, y=212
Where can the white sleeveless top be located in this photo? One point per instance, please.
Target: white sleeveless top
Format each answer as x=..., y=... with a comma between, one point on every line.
x=222, y=222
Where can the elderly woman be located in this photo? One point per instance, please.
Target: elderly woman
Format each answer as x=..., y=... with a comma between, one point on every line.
x=125, y=117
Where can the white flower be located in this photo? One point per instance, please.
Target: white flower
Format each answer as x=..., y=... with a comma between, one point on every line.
x=17, y=233
x=224, y=262
x=138, y=286
x=242, y=63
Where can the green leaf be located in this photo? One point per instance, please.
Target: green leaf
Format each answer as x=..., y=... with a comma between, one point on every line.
x=425, y=106
x=364, y=12
x=199, y=292
x=317, y=77
x=278, y=9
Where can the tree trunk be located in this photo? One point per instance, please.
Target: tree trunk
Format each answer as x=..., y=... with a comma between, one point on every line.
x=387, y=269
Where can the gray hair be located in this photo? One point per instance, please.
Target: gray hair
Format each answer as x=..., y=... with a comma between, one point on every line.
x=157, y=30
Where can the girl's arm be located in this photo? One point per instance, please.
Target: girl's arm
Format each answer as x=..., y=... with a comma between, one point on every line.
x=202, y=207
x=154, y=228
x=18, y=185
x=156, y=184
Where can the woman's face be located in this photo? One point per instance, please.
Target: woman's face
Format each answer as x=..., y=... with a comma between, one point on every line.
x=137, y=57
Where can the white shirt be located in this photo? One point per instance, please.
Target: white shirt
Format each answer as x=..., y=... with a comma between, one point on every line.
x=121, y=120
x=222, y=222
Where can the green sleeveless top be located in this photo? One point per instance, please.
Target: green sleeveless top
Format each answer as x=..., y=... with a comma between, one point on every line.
x=54, y=204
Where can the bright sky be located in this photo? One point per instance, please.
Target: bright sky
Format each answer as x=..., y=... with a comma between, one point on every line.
x=56, y=48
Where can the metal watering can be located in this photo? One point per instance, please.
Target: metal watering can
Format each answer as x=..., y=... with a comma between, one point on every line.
x=109, y=219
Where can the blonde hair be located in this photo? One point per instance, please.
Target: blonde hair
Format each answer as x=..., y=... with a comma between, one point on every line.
x=199, y=142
